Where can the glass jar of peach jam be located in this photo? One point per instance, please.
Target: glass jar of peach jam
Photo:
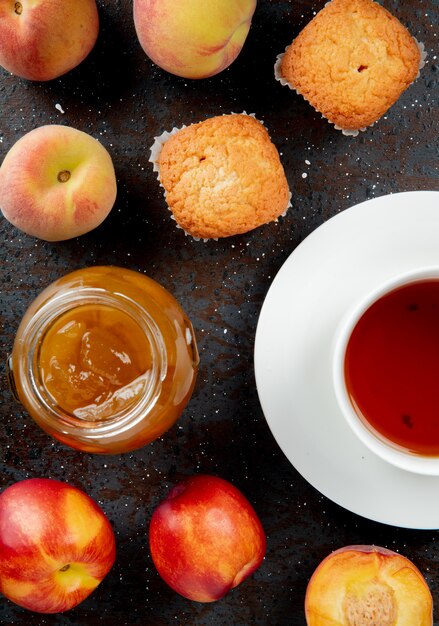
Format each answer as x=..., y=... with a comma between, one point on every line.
x=104, y=360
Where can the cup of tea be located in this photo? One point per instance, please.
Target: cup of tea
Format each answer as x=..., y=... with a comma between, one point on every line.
x=386, y=370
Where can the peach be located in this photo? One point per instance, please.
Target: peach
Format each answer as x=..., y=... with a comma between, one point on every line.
x=367, y=585
x=43, y=39
x=205, y=538
x=193, y=38
x=56, y=183
x=56, y=545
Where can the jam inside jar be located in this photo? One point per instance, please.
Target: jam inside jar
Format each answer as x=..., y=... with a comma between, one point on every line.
x=105, y=360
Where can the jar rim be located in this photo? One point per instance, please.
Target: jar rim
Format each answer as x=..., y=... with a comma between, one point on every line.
x=60, y=420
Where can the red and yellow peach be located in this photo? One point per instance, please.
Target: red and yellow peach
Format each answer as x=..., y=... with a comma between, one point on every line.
x=205, y=538
x=363, y=585
x=56, y=545
x=56, y=183
x=193, y=38
x=43, y=39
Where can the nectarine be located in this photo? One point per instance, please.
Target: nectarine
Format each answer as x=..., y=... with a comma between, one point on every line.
x=56, y=545
x=193, y=38
x=56, y=183
x=367, y=585
x=205, y=538
x=43, y=39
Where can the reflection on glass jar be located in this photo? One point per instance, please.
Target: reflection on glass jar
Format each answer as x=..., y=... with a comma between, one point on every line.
x=104, y=360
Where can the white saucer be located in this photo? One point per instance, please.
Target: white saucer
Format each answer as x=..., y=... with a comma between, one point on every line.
x=328, y=272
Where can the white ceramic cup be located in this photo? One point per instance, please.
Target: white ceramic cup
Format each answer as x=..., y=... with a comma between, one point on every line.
x=385, y=449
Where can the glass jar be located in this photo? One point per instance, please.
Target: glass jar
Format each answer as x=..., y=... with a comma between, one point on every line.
x=104, y=360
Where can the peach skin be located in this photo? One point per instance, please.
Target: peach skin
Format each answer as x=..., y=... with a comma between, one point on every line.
x=205, y=538
x=56, y=545
x=56, y=183
x=193, y=38
x=43, y=39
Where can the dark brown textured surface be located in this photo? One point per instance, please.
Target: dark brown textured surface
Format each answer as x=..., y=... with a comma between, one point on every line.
x=119, y=97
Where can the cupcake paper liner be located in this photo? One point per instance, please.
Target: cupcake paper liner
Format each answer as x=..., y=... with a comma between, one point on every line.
x=156, y=149
x=346, y=131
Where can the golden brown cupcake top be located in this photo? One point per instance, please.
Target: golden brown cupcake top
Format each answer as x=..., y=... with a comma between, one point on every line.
x=223, y=177
x=352, y=62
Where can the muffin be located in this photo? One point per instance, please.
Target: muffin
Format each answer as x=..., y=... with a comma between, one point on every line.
x=221, y=177
x=351, y=62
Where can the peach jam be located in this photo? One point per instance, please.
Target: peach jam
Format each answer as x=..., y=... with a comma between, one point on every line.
x=105, y=360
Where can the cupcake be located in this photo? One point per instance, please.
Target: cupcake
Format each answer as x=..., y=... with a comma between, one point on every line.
x=351, y=62
x=221, y=177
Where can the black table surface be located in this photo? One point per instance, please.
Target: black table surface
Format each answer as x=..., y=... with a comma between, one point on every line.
x=118, y=96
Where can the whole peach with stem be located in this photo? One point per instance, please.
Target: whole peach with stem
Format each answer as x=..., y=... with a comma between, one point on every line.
x=43, y=39
x=56, y=183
